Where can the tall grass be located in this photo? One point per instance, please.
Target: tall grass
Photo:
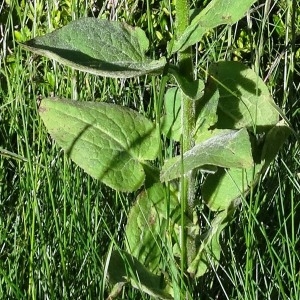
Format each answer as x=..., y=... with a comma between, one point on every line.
x=57, y=223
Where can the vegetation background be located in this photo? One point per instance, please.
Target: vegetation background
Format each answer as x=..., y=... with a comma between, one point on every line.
x=56, y=222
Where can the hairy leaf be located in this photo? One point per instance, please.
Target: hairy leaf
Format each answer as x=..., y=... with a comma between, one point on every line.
x=123, y=267
x=228, y=149
x=147, y=224
x=209, y=251
x=226, y=186
x=275, y=138
x=100, y=47
x=192, y=89
x=206, y=111
x=244, y=98
x=108, y=141
x=171, y=122
x=217, y=12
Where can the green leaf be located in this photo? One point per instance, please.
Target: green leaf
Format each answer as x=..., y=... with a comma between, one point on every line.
x=228, y=149
x=206, y=111
x=108, y=141
x=9, y=154
x=216, y=13
x=244, y=102
x=210, y=250
x=147, y=224
x=171, y=122
x=123, y=267
x=244, y=98
x=274, y=140
x=226, y=186
x=192, y=89
x=100, y=47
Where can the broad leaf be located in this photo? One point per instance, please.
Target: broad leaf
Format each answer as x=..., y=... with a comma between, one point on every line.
x=228, y=149
x=206, y=111
x=192, y=89
x=225, y=186
x=210, y=250
x=244, y=98
x=108, y=141
x=125, y=268
x=147, y=224
x=274, y=140
x=217, y=12
x=100, y=47
x=192, y=238
x=171, y=122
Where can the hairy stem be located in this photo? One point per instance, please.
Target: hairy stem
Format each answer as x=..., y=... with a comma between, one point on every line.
x=187, y=123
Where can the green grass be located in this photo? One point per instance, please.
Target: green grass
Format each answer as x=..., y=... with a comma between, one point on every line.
x=57, y=223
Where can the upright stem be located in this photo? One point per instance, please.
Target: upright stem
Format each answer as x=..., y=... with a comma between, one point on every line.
x=182, y=22
x=187, y=122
